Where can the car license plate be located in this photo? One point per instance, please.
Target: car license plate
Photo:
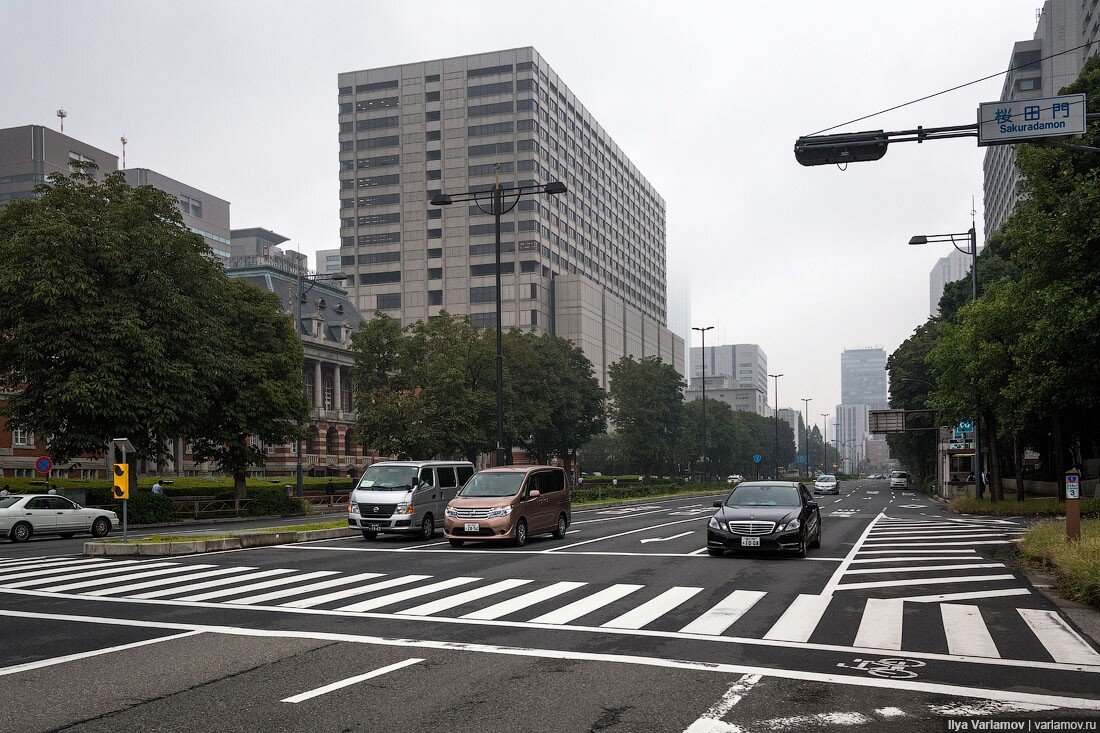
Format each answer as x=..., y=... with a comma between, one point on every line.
x=472, y=527
x=750, y=542
x=373, y=527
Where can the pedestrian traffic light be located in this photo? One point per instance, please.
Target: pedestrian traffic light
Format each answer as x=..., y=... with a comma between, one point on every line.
x=121, y=489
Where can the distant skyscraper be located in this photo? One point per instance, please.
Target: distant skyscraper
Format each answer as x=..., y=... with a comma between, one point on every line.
x=679, y=307
x=328, y=261
x=739, y=370
x=954, y=266
x=863, y=377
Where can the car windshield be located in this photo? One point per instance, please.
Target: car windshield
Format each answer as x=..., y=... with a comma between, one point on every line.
x=899, y=474
x=749, y=495
x=388, y=478
x=826, y=479
x=493, y=483
x=8, y=501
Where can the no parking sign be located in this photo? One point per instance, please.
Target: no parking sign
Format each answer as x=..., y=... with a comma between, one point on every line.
x=43, y=465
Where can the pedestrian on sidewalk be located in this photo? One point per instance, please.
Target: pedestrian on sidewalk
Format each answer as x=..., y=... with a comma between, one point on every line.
x=157, y=488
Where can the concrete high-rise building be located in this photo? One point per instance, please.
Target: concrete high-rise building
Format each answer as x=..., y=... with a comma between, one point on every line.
x=1036, y=71
x=954, y=266
x=723, y=389
x=203, y=213
x=588, y=265
x=679, y=308
x=328, y=261
x=31, y=153
x=793, y=418
x=262, y=246
x=863, y=377
x=733, y=367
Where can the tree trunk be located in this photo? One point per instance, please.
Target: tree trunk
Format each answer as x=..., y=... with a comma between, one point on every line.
x=997, y=491
x=1018, y=466
x=1058, y=460
x=239, y=489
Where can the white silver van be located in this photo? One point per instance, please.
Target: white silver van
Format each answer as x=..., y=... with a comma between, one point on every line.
x=405, y=497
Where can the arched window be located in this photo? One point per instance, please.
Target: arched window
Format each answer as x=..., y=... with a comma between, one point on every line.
x=328, y=393
x=311, y=441
x=349, y=442
x=345, y=395
x=332, y=439
x=307, y=378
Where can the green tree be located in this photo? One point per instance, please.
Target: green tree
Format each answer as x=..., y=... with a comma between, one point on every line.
x=110, y=320
x=911, y=384
x=646, y=397
x=601, y=454
x=257, y=385
x=755, y=435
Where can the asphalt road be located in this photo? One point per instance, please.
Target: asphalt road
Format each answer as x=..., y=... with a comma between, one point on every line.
x=904, y=617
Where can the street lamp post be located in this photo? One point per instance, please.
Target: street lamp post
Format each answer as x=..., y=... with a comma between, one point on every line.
x=703, y=331
x=300, y=296
x=806, y=427
x=825, y=443
x=776, y=378
x=501, y=200
x=836, y=442
x=971, y=239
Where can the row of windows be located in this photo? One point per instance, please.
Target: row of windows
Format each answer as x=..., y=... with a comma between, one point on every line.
x=391, y=179
x=485, y=90
x=363, y=105
x=388, y=301
x=374, y=258
x=489, y=169
x=378, y=161
x=497, y=108
x=488, y=293
x=378, y=123
x=371, y=220
x=380, y=278
x=489, y=71
x=490, y=149
x=493, y=128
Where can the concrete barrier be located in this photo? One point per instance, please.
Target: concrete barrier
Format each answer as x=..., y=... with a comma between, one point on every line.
x=238, y=541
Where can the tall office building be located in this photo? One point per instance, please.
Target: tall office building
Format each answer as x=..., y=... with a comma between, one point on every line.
x=954, y=266
x=203, y=213
x=863, y=387
x=588, y=265
x=735, y=373
x=1035, y=71
x=793, y=418
x=679, y=308
x=31, y=153
x=328, y=261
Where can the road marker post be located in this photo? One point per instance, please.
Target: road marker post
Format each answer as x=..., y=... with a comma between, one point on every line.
x=1073, y=505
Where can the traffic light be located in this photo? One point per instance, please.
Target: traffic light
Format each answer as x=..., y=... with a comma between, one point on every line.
x=121, y=489
x=851, y=147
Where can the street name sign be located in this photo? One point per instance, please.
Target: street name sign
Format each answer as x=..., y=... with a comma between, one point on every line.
x=1020, y=120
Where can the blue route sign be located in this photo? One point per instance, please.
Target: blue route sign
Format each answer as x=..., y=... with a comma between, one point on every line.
x=757, y=458
x=800, y=459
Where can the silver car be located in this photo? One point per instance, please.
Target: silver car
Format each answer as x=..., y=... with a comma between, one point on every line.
x=23, y=515
x=405, y=497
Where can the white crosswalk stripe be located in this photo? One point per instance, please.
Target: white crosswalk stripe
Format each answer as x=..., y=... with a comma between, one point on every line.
x=175, y=591
x=301, y=590
x=504, y=608
x=800, y=619
x=100, y=570
x=261, y=585
x=404, y=595
x=124, y=589
x=1061, y=642
x=587, y=605
x=654, y=608
x=723, y=615
x=880, y=626
x=350, y=592
x=966, y=631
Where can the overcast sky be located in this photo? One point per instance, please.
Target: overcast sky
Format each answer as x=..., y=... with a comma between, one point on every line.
x=707, y=98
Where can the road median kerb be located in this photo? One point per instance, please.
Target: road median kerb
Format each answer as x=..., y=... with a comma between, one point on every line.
x=238, y=541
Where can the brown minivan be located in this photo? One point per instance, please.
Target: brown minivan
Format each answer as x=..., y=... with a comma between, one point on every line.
x=509, y=503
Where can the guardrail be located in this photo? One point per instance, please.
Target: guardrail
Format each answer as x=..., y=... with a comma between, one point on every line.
x=197, y=507
x=331, y=500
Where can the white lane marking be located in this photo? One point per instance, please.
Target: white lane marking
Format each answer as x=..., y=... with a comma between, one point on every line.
x=834, y=581
x=917, y=552
x=711, y=720
x=56, y=573
x=654, y=608
x=444, y=604
x=404, y=595
x=587, y=605
x=417, y=547
x=936, y=558
x=951, y=690
x=945, y=532
x=300, y=590
x=817, y=721
x=724, y=613
x=26, y=666
x=350, y=681
x=21, y=565
x=623, y=534
x=1058, y=638
x=922, y=568
x=239, y=589
x=877, y=541
x=971, y=543
x=966, y=631
x=124, y=589
x=109, y=579
x=653, y=633
x=940, y=597
x=924, y=581
x=891, y=712
x=210, y=584
x=985, y=708
x=800, y=619
x=349, y=592
x=666, y=539
x=700, y=551
x=880, y=625
x=519, y=603
x=489, y=551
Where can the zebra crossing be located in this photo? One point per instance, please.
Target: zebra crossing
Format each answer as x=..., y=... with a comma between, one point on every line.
x=839, y=618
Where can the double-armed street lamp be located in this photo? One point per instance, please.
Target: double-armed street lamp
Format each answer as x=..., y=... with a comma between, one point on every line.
x=806, y=427
x=500, y=200
x=776, y=378
x=825, y=443
x=703, y=332
x=970, y=238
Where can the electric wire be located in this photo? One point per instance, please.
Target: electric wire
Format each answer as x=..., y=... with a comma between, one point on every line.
x=945, y=91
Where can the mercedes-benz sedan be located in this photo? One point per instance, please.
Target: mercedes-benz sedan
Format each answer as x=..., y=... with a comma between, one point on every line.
x=765, y=515
x=24, y=515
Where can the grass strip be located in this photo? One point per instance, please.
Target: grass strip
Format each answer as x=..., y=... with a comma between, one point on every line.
x=1030, y=508
x=1076, y=565
x=336, y=524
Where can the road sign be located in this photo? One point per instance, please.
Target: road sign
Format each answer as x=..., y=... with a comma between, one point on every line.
x=1020, y=120
x=43, y=465
x=800, y=459
x=757, y=458
x=965, y=426
x=1073, y=487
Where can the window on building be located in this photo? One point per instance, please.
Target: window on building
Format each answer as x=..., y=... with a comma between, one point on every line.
x=380, y=199
x=534, y=317
x=434, y=155
x=365, y=105
x=435, y=297
x=345, y=90
x=347, y=127
x=378, y=161
x=494, y=128
x=490, y=268
x=486, y=90
x=1027, y=85
x=534, y=292
x=435, y=213
x=483, y=295
x=483, y=320
x=435, y=273
x=526, y=66
x=386, y=238
x=378, y=123
x=391, y=179
x=376, y=86
x=432, y=116
x=525, y=125
x=345, y=108
x=435, y=234
x=389, y=301
x=431, y=77
x=477, y=250
x=22, y=438
x=435, y=253
x=528, y=266
x=489, y=71
x=327, y=394
x=506, y=227
x=490, y=149
x=433, y=135
x=347, y=146
x=378, y=278
x=498, y=108
x=434, y=175
x=491, y=169
x=370, y=143
x=375, y=258
x=372, y=219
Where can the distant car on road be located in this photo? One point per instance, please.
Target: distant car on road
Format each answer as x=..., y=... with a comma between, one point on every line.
x=765, y=515
x=24, y=515
x=734, y=479
x=826, y=484
x=899, y=479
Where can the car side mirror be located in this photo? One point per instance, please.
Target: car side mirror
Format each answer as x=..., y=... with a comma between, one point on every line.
x=533, y=493
x=811, y=505
x=716, y=504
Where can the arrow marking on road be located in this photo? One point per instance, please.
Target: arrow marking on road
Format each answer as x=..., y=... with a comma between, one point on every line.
x=666, y=539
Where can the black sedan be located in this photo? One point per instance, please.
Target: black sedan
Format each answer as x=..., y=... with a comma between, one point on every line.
x=765, y=515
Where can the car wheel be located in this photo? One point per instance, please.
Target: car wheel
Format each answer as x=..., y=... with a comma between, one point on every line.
x=427, y=528
x=816, y=544
x=559, y=531
x=369, y=534
x=21, y=532
x=521, y=533
x=457, y=543
x=101, y=526
x=715, y=553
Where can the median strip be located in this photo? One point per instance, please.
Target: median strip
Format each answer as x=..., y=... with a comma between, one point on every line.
x=171, y=545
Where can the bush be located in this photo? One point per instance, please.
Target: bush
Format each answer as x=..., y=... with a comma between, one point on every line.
x=1076, y=566
x=145, y=507
x=266, y=502
x=1031, y=508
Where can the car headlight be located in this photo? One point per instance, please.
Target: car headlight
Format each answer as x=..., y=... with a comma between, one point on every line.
x=714, y=523
x=500, y=511
x=403, y=509
x=353, y=508
x=451, y=512
x=793, y=524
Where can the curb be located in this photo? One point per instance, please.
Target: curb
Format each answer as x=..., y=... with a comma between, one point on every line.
x=231, y=520
x=193, y=547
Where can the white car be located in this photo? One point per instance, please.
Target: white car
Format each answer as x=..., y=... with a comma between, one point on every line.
x=826, y=484
x=23, y=515
x=734, y=479
x=899, y=480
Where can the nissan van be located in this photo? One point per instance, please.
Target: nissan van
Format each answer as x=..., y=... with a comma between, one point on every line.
x=405, y=497
x=510, y=504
